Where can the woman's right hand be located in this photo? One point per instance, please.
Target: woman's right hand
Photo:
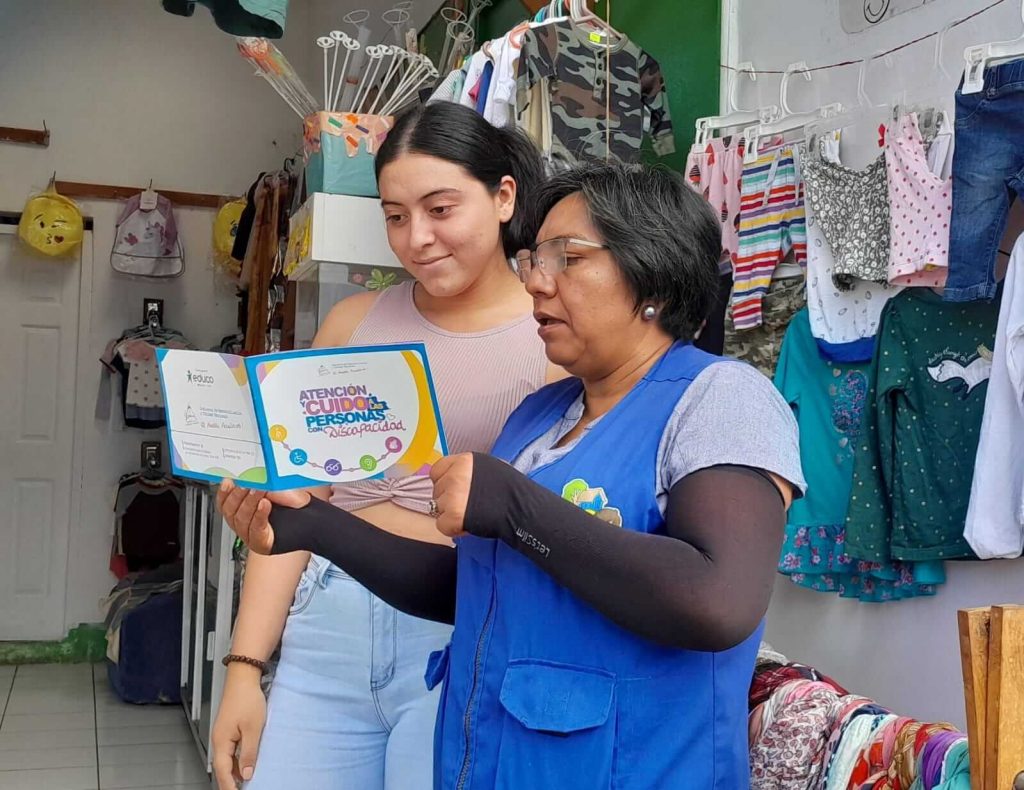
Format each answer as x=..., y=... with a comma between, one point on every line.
x=247, y=512
x=239, y=727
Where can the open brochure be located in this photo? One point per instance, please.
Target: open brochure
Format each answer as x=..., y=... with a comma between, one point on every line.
x=301, y=418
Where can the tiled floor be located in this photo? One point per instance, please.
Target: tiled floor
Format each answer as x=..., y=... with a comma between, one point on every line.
x=62, y=728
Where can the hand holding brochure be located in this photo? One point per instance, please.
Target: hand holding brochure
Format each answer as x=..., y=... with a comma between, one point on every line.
x=301, y=418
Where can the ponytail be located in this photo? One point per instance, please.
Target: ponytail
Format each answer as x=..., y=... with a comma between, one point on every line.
x=459, y=135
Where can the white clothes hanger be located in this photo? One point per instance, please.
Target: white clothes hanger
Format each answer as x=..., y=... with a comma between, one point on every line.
x=981, y=56
x=734, y=116
x=865, y=109
x=580, y=14
x=790, y=121
x=933, y=109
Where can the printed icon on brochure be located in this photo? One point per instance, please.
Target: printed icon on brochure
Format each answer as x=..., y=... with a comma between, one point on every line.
x=298, y=457
x=393, y=444
x=332, y=467
x=190, y=416
x=323, y=371
x=278, y=433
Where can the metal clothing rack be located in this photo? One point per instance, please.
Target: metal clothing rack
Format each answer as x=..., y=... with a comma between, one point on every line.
x=207, y=557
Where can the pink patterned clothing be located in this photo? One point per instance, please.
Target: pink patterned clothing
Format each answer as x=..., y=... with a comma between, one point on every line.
x=921, y=204
x=715, y=172
x=796, y=722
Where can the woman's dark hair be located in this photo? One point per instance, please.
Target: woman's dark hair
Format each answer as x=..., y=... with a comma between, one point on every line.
x=664, y=236
x=459, y=135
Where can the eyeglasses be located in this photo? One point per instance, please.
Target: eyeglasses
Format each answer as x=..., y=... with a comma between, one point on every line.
x=550, y=256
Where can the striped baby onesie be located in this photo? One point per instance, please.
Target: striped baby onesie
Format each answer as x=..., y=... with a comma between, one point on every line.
x=772, y=222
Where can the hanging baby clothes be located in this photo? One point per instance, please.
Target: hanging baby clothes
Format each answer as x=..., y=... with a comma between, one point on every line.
x=772, y=224
x=829, y=400
x=852, y=207
x=474, y=76
x=146, y=242
x=761, y=345
x=988, y=162
x=451, y=87
x=920, y=207
x=715, y=170
x=147, y=522
x=843, y=322
x=915, y=461
x=132, y=356
x=500, y=107
x=995, y=516
x=575, y=65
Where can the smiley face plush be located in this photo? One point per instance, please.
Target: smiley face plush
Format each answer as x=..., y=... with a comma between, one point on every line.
x=51, y=224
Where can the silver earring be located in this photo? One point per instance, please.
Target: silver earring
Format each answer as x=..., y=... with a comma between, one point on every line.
x=649, y=312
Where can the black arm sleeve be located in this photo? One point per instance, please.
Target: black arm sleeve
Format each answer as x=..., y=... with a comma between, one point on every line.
x=704, y=585
x=415, y=577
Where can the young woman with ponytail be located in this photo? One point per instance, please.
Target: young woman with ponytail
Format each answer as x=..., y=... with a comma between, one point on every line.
x=348, y=707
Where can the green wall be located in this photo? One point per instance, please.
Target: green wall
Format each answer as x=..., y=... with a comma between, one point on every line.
x=682, y=35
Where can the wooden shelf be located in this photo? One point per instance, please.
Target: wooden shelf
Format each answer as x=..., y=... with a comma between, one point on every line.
x=12, y=134
x=110, y=192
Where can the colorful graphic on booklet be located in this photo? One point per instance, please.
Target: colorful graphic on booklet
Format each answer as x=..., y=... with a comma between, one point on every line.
x=352, y=408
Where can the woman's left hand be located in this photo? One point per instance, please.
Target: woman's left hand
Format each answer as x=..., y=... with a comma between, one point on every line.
x=453, y=478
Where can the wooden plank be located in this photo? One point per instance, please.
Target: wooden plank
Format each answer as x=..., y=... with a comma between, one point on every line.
x=533, y=6
x=1004, y=742
x=111, y=192
x=973, y=626
x=12, y=134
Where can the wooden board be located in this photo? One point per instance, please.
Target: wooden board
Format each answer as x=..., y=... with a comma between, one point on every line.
x=974, y=644
x=1004, y=738
x=111, y=192
x=11, y=134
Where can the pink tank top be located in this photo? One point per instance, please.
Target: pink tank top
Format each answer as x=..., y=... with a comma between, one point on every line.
x=480, y=378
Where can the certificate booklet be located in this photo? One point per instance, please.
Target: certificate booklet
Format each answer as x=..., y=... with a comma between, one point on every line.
x=301, y=418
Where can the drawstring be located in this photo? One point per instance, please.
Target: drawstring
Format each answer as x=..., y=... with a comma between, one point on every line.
x=771, y=178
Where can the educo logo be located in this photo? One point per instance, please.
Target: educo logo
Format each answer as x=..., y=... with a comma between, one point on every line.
x=199, y=378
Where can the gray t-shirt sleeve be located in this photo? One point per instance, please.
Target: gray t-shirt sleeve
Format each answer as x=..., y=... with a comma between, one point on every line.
x=730, y=414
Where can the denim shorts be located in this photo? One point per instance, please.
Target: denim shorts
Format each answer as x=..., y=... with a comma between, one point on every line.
x=988, y=174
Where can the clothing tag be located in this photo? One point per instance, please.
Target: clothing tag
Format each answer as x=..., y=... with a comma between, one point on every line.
x=148, y=200
x=597, y=37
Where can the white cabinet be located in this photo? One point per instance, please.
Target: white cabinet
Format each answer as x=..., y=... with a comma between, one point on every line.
x=338, y=246
x=341, y=229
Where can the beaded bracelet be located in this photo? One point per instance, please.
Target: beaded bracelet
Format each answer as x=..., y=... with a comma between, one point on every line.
x=233, y=658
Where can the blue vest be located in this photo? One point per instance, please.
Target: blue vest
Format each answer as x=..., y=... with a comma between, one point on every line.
x=542, y=692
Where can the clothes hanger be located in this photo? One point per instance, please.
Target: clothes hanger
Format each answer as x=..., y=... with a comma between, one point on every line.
x=981, y=56
x=865, y=109
x=581, y=15
x=789, y=121
x=932, y=110
x=734, y=117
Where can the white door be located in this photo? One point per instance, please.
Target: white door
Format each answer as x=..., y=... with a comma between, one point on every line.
x=38, y=355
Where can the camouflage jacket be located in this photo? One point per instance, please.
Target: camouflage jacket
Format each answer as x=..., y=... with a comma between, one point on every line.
x=574, y=67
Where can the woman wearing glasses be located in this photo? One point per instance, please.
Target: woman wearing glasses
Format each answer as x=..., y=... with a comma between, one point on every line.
x=615, y=553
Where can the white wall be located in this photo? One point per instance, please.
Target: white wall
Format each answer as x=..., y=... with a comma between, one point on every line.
x=131, y=93
x=906, y=655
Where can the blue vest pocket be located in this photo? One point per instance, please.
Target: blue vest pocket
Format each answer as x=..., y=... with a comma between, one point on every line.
x=559, y=731
x=437, y=667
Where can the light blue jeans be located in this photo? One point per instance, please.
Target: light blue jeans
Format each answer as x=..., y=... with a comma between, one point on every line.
x=349, y=708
